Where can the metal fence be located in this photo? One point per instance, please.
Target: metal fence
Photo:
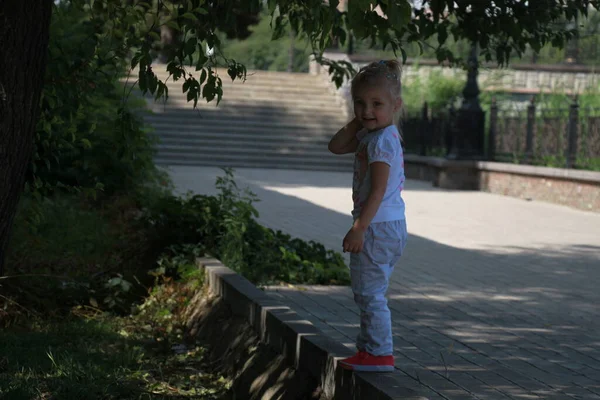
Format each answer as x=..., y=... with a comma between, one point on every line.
x=559, y=137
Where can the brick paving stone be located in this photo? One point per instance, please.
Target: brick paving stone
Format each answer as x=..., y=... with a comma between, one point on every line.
x=505, y=289
x=411, y=383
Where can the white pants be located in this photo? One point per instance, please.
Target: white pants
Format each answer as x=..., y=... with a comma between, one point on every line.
x=370, y=272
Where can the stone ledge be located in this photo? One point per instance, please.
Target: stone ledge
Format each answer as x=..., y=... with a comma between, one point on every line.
x=545, y=172
x=519, y=169
x=569, y=187
x=304, y=346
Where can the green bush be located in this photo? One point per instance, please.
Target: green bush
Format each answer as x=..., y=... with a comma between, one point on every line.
x=260, y=52
x=437, y=90
x=224, y=226
x=89, y=136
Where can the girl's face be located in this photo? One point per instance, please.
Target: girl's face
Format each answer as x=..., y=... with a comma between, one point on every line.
x=374, y=106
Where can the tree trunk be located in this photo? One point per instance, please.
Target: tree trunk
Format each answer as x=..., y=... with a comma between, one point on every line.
x=24, y=32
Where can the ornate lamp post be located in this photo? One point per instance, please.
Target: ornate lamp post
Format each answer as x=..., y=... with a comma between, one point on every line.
x=468, y=134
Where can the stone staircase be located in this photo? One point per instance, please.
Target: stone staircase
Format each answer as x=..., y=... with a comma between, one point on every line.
x=273, y=120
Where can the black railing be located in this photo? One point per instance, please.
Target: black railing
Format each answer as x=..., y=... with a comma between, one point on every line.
x=558, y=137
x=428, y=135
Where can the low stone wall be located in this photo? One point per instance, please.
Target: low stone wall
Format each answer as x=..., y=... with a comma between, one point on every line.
x=304, y=347
x=573, y=188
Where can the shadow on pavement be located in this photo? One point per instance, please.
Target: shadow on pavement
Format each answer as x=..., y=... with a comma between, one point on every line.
x=506, y=322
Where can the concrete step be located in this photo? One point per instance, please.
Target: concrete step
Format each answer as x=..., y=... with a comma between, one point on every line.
x=314, y=94
x=296, y=89
x=273, y=120
x=231, y=136
x=318, y=156
x=247, y=117
x=246, y=110
x=258, y=138
x=269, y=77
x=168, y=161
x=264, y=101
x=312, y=88
x=305, y=89
x=259, y=80
x=198, y=125
x=262, y=96
x=273, y=106
x=243, y=148
x=337, y=164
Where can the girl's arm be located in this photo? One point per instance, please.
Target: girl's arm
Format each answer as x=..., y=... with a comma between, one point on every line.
x=344, y=141
x=380, y=172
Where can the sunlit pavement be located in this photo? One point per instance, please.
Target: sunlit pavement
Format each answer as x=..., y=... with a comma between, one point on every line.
x=495, y=297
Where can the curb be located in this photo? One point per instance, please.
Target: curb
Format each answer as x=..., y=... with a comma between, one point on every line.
x=303, y=345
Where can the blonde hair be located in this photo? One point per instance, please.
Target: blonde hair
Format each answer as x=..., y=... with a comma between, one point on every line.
x=390, y=70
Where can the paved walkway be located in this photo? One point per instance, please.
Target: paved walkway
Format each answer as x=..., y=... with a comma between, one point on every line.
x=495, y=298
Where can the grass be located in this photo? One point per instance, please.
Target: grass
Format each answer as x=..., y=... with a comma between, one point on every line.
x=69, y=359
x=104, y=357
x=97, y=290
x=67, y=332
x=82, y=352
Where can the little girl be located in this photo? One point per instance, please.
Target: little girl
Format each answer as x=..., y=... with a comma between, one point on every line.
x=378, y=234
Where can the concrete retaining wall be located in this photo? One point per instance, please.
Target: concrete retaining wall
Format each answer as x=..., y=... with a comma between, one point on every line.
x=303, y=345
x=573, y=188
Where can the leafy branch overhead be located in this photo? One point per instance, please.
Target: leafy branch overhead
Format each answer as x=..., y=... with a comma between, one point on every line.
x=500, y=28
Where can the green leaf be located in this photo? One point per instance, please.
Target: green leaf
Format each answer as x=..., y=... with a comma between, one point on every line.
x=232, y=72
x=202, y=59
x=341, y=34
x=135, y=60
x=404, y=56
x=363, y=5
x=152, y=83
x=208, y=91
x=154, y=35
x=86, y=143
x=190, y=16
x=437, y=8
x=399, y=14
x=173, y=24
x=535, y=45
x=114, y=282
x=190, y=46
x=175, y=70
x=420, y=44
x=125, y=286
x=355, y=18
x=191, y=94
x=442, y=34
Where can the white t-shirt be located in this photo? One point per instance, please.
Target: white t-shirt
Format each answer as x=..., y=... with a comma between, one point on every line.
x=379, y=146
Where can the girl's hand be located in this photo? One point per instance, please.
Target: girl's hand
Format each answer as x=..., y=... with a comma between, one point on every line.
x=357, y=122
x=353, y=242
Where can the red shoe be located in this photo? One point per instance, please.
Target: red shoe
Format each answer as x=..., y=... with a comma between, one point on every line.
x=365, y=362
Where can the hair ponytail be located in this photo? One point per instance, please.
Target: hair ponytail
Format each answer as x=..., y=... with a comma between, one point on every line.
x=390, y=70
